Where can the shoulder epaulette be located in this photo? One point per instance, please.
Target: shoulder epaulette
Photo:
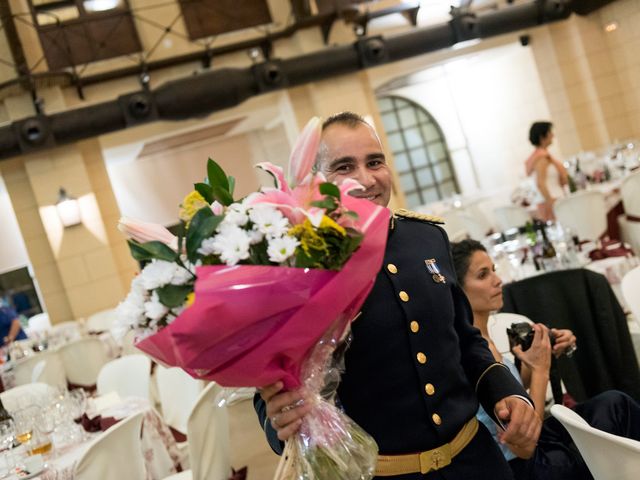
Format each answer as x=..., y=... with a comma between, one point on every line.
x=402, y=212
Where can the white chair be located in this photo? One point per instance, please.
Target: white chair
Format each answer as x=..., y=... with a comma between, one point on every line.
x=631, y=292
x=15, y=398
x=128, y=376
x=208, y=434
x=128, y=344
x=585, y=213
x=630, y=190
x=115, y=455
x=68, y=330
x=83, y=359
x=608, y=456
x=178, y=392
x=454, y=225
x=51, y=369
x=39, y=323
x=101, y=321
x=511, y=216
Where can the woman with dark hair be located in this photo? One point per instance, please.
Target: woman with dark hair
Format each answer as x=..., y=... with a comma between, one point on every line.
x=555, y=456
x=548, y=173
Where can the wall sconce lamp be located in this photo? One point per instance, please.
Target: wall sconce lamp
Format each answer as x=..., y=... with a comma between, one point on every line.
x=68, y=209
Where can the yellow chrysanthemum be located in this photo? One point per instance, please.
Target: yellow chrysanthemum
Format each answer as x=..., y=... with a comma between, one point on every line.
x=309, y=238
x=329, y=223
x=190, y=205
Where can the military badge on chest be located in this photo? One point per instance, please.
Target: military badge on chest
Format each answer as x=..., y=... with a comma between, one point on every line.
x=433, y=269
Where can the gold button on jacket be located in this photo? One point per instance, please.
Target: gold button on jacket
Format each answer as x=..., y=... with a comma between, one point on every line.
x=436, y=419
x=404, y=296
x=422, y=358
x=430, y=389
x=415, y=326
x=392, y=268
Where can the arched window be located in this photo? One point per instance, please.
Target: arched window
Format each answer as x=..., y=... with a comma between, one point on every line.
x=421, y=156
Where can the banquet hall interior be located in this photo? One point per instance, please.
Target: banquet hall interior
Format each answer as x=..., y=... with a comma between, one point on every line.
x=111, y=108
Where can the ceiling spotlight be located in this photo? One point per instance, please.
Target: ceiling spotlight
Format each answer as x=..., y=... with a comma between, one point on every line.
x=611, y=27
x=255, y=54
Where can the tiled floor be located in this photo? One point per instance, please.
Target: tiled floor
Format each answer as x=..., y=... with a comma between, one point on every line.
x=249, y=446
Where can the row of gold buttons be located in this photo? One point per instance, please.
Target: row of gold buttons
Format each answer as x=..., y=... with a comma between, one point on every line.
x=421, y=357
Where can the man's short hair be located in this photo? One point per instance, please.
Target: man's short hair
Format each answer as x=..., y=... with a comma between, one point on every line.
x=538, y=131
x=349, y=119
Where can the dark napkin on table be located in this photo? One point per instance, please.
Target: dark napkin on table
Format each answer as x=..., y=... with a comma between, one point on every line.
x=97, y=423
x=610, y=248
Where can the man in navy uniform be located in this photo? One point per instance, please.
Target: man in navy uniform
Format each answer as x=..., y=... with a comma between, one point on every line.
x=416, y=367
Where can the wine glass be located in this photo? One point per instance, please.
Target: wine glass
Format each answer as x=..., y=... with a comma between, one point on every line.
x=7, y=437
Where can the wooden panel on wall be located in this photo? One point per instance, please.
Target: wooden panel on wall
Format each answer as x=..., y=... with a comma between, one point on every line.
x=204, y=18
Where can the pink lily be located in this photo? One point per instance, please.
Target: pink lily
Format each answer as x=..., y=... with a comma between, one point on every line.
x=303, y=155
x=277, y=173
x=146, y=232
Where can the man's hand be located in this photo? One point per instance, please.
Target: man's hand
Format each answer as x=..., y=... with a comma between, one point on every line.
x=284, y=410
x=565, y=341
x=523, y=426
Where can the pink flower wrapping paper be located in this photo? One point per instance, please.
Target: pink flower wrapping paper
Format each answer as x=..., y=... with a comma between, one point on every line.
x=251, y=326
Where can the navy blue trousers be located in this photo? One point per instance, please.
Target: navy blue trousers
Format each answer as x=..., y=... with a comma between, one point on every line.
x=557, y=457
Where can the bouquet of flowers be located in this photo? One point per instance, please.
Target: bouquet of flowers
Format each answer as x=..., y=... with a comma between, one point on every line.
x=262, y=289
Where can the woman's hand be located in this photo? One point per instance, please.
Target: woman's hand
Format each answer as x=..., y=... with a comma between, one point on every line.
x=285, y=410
x=538, y=356
x=565, y=341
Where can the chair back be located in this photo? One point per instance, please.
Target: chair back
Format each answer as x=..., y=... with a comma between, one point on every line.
x=39, y=323
x=83, y=359
x=178, y=392
x=101, y=321
x=128, y=376
x=454, y=225
x=128, y=344
x=510, y=216
x=631, y=292
x=20, y=396
x=51, y=369
x=208, y=434
x=115, y=455
x=608, y=456
x=583, y=212
x=497, y=326
x=630, y=190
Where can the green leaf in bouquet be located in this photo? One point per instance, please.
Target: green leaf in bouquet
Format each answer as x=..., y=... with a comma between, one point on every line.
x=181, y=229
x=173, y=295
x=216, y=176
x=329, y=203
x=222, y=195
x=232, y=184
x=204, y=190
x=202, y=226
x=352, y=214
x=330, y=189
x=151, y=250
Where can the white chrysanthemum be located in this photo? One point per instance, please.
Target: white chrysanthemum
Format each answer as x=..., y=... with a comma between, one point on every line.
x=154, y=309
x=269, y=220
x=207, y=247
x=129, y=314
x=231, y=244
x=137, y=285
x=180, y=275
x=255, y=236
x=281, y=248
x=157, y=274
x=236, y=214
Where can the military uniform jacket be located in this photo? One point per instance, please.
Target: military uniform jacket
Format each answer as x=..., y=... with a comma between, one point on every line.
x=416, y=366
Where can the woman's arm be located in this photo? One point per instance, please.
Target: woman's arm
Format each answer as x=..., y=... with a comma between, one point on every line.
x=13, y=331
x=536, y=362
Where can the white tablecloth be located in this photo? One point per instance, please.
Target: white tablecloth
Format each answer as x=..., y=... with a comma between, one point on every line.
x=161, y=454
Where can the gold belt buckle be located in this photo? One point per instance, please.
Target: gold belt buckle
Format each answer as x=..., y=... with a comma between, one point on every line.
x=435, y=459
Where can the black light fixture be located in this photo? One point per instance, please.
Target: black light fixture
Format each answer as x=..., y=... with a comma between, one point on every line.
x=68, y=209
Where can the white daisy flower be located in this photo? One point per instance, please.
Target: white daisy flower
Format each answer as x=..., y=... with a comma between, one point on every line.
x=269, y=220
x=281, y=248
x=231, y=244
x=180, y=275
x=236, y=215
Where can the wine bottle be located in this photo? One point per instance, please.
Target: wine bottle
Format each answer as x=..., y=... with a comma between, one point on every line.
x=548, y=250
